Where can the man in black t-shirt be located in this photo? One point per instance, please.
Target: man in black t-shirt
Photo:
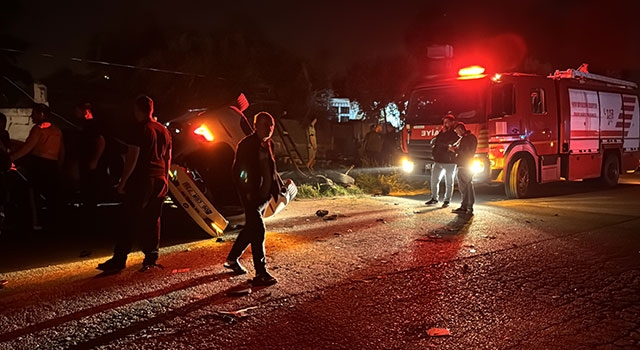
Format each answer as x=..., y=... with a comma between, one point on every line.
x=89, y=147
x=144, y=184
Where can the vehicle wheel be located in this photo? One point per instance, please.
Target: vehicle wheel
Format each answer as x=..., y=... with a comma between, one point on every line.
x=520, y=182
x=610, y=170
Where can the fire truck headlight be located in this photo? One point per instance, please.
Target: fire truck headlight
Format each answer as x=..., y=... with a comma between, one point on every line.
x=477, y=166
x=407, y=165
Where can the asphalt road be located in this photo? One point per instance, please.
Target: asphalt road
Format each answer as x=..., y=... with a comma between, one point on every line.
x=561, y=271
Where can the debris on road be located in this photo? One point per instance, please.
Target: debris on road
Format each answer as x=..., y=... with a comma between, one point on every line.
x=438, y=332
x=219, y=239
x=322, y=213
x=336, y=233
x=174, y=271
x=429, y=238
x=239, y=291
x=242, y=313
x=331, y=217
x=381, y=220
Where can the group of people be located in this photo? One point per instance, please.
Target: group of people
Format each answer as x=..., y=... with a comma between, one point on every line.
x=379, y=147
x=144, y=180
x=453, y=150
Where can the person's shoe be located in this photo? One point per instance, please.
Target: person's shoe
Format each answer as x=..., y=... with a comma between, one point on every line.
x=431, y=201
x=460, y=210
x=445, y=204
x=150, y=267
x=264, y=279
x=112, y=266
x=469, y=211
x=235, y=267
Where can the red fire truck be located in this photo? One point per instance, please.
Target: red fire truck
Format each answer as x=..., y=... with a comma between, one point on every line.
x=571, y=125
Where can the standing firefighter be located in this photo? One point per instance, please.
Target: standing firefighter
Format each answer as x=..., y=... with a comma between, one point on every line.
x=465, y=151
x=254, y=171
x=144, y=183
x=444, y=161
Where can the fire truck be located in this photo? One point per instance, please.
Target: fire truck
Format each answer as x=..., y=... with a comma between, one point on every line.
x=569, y=126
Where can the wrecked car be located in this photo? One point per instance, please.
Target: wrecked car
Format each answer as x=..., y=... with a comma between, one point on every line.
x=204, y=143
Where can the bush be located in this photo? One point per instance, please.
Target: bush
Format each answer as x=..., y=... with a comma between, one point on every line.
x=386, y=184
x=318, y=191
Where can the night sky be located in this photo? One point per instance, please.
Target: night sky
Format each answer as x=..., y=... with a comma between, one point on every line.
x=605, y=34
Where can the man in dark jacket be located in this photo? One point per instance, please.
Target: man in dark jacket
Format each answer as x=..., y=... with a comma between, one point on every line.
x=144, y=184
x=444, y=161
x=254, y=171
x=465, y=151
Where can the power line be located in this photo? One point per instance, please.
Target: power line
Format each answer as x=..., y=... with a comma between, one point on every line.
x=110, y=64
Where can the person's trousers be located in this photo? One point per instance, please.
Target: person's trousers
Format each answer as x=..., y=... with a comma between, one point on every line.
x=253, y=233
x=44, y=178
x=465, y=184
x=439, y=171
x=143, y=208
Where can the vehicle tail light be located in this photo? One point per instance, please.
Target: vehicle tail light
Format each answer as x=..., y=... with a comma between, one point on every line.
x=204, y=132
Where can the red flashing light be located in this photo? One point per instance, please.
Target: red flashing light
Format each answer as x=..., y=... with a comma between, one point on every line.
x=471, y=71
x=203, y=131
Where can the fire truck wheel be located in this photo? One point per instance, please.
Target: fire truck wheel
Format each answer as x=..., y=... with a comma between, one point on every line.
x=520, y=179
x=610, y=170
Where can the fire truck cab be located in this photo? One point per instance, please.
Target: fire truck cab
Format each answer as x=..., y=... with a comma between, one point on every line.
x=570, y=125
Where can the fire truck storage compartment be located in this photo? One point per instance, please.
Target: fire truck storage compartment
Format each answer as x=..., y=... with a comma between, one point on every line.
x=581, y=166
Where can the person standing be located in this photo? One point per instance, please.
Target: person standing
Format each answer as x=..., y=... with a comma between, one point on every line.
x=444, y=161
x=256, y=177
x=312, y=143
x=90, y=145
x=144, y=184
x=465, y=151
x=373, y=145
x=43, y=153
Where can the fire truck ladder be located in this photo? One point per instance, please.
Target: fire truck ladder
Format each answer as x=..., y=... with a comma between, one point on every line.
x=290, y=147
x=578, y=74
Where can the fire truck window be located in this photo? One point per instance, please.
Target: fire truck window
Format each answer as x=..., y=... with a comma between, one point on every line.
x=502, y=100
x=537, y=101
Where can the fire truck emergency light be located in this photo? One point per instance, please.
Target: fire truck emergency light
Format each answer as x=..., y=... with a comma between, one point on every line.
x=204, y=132
x=472, y=71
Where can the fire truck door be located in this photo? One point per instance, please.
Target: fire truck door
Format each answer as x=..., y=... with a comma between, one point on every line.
x=541, y=117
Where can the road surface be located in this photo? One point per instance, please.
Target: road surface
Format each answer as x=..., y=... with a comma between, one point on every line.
x=561, y=271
